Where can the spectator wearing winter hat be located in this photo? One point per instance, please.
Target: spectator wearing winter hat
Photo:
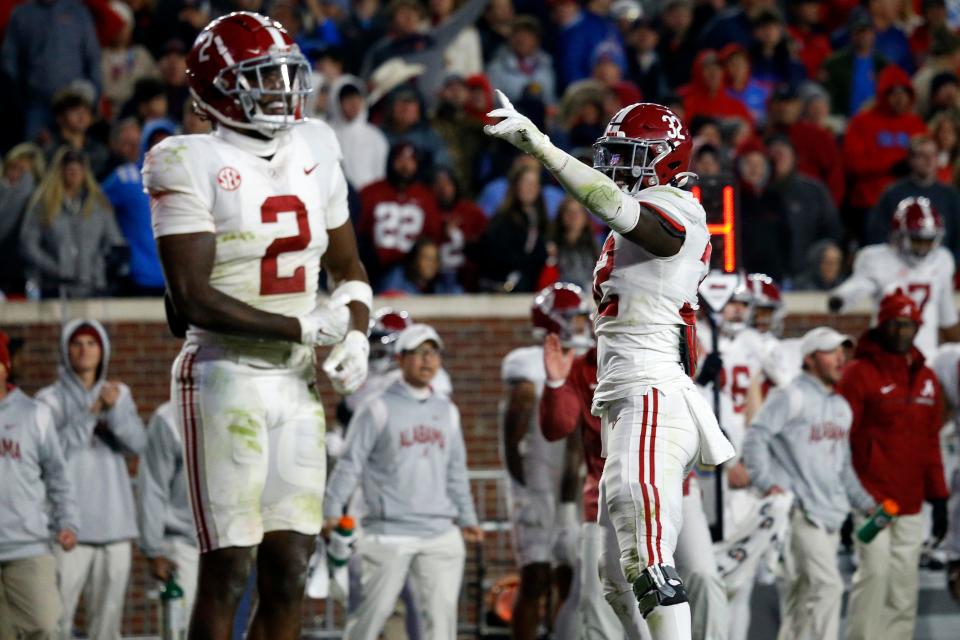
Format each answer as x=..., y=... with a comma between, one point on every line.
x=848, y=75
x=877, y=141
x=608, y=64
x=406, y=123
x=522, y=62
x=944, y=95
x=124, y=62
x=98, y=425
x=897, y=409
x=742, y=84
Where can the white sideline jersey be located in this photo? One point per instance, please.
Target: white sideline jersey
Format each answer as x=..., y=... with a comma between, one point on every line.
x=270, y=216
x=880, y=269
x=646, y=305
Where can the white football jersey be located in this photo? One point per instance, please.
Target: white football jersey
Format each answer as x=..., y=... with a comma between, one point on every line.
x=880, y=269
x=742, y=358
x=646, y=304
x=270, y=216
x=543, y=460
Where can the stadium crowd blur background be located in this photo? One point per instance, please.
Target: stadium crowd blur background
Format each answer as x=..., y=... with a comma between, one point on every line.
x=821, y=116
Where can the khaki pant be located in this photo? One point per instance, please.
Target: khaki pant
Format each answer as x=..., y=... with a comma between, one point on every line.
x=883, y=600
x=32, y=603
x=101, y=573
x=187, y=558
x=435, y=568
x=812, y=589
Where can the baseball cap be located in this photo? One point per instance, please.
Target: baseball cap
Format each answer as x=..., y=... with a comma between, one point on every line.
x=414, y=336
x=822, y=339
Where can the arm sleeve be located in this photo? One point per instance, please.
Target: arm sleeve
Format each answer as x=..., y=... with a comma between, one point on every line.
x=559, y=411
x=60, y=491
x=31, y=248
x=75, y=430
x=362, y=434
x=179, y=203
x=458, y=483
x=125, y=423
x=157, y=467
x=756, y=446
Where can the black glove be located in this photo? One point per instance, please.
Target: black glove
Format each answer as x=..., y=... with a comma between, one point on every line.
x=939, y=519
x=834, y=304
x=710, y=369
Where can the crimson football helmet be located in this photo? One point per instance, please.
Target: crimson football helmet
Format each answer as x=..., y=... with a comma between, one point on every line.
x=385, y=326
x=246, y=71
x=555, y=310
x=644, y=145
x=916, y=228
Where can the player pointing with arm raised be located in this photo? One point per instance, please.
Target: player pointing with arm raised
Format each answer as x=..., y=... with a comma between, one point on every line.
x=244, y=217
x=653, y=420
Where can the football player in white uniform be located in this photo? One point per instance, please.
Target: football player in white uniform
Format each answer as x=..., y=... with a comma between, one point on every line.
x=654, y=421
x=543, y=507
x=914, y=261
x=244, y=217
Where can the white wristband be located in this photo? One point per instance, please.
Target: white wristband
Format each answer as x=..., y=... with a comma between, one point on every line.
x=556, y=384
x=355, y=291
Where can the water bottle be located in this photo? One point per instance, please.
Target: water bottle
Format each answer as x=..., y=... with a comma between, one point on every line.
x=879, y=521
x=174, y=609
x=341, y=539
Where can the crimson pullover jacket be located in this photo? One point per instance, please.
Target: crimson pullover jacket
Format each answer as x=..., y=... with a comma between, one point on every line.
x=897, y=414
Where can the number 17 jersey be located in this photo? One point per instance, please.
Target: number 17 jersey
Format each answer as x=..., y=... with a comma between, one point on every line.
x=645, y=321
x=270, y=215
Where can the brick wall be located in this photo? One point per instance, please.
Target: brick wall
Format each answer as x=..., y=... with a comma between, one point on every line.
x=477, y=337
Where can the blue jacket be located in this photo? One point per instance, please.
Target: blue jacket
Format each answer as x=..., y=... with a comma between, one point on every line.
x=131, y=206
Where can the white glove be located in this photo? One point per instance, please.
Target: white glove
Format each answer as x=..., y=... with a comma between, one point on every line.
x=517, y=129
x=346, y=366
x=327, y=324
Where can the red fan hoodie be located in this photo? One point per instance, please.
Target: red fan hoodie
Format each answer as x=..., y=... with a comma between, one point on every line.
x=699, y=99
x=877, y=139
x=897, y=414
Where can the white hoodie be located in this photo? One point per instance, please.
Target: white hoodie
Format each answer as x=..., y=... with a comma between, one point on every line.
x=364, y=146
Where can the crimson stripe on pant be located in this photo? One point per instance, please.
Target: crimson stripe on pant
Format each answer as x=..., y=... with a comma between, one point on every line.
x=653, y=471
x=643, y=486
x=190, y=450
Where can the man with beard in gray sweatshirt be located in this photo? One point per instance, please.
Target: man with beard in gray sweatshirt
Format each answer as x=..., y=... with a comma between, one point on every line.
x=799, y=442
x=98, y=426
x=34, y=479
x=406, y=447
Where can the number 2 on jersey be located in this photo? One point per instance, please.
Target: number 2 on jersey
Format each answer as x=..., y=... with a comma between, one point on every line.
x=270, y=282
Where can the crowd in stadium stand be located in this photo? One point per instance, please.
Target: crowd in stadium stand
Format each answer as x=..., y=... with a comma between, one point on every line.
x=826, y=114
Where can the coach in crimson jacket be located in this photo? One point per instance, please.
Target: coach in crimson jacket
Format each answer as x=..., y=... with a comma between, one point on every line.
x=897, y=414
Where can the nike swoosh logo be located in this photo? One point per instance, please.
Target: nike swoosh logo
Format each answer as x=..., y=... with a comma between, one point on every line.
x=887, y=389
x=307, y=172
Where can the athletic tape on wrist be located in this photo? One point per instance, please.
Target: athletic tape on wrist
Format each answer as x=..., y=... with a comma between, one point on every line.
x=355, y=291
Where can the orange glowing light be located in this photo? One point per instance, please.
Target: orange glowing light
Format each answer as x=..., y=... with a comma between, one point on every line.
x=724, y=229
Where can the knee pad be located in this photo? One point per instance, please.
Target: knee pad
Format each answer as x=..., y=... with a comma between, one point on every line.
x=658, y=585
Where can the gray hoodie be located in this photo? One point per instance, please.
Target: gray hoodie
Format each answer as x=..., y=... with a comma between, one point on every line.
x=408, y=452
x=163, y=500
x=34, y=480
x=364, y=146
x=800, y=441
x=95, y=446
